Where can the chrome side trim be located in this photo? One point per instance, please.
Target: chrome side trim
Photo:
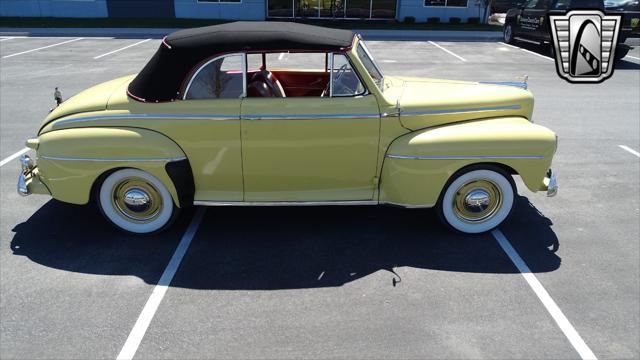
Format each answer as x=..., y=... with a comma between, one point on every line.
x=521, y=85
x=463, y=157
x=216, y=117
x=308, y=116
x=283, y=203
x=461, y=110
x=65, y=158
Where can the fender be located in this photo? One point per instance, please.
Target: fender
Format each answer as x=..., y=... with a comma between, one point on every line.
x=417, y=165
x=71, y=160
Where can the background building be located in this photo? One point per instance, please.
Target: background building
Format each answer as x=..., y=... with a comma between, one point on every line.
x=246, y=9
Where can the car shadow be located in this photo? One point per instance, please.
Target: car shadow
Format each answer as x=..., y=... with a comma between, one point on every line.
x=278, y=248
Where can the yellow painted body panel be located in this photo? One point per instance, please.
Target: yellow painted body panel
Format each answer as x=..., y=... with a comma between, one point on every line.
x=335, y=150
x=70, y=161
x=432, y=102
x=94, y=98
x=34, y=183
x=211, y=140
x=419, y=181
x=310, y=159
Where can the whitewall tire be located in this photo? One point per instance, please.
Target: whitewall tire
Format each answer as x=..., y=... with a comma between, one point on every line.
x=477, y=200
x=136, y=201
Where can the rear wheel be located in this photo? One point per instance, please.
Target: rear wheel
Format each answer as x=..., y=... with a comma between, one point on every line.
x=507, y=33
x=136, y=201
x=477, y=199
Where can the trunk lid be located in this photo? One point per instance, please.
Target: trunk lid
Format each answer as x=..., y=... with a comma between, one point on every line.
x=431, y=102
x=94, y=98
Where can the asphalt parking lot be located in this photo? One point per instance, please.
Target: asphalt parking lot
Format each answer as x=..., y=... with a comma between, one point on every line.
x=351, y=282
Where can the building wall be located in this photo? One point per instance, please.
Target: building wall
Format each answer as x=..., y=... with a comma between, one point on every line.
x=141, y=8
x=244, y=10
x=54, y=8
x=420, y=12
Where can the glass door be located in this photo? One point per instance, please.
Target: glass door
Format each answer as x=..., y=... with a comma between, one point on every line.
x=307, y=8
x=332, y=9
x=280, y=8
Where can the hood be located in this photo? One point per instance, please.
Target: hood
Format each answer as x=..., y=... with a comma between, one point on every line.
x=94, y=98
x=430, y=102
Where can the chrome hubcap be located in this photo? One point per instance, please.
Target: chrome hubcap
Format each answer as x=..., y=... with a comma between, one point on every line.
x=137, y=200
x=477, y=201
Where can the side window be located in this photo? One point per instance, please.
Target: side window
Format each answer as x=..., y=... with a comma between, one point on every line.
x=221, y=78
x=296, y=61
x=344, y=80
x=561, y=4
x=531, y=4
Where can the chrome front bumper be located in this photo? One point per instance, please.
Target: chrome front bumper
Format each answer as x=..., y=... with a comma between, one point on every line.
x=550, y=183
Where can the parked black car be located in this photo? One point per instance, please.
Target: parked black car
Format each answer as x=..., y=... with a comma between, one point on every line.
x=502, y=6
x=529, y=21
x=630, y=10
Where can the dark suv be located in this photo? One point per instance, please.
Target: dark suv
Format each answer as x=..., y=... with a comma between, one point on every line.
x=630, y=10
x=529, y=22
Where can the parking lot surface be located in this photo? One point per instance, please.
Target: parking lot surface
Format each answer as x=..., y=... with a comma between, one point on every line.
x=327, y=282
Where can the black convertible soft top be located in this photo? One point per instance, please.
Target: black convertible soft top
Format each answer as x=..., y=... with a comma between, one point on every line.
x=181, y=51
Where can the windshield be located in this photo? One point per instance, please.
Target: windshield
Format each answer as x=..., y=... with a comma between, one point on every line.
x=615, y=2
x=370, y=65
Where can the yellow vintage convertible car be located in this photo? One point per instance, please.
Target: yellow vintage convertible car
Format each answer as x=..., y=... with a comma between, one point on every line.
x=269, y=113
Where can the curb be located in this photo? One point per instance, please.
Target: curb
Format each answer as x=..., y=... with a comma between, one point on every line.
x=161, y=32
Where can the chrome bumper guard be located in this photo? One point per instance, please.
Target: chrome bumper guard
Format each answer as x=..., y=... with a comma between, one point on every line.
x=26, y=172
x=551, y=183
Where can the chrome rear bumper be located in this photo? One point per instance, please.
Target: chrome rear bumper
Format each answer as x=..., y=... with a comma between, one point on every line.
x=551, y=183
x=29, y=180
x=26, y=172
x=23, y=189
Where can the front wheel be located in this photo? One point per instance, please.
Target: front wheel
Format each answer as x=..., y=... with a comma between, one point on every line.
x=136, y=201
x=477, y=200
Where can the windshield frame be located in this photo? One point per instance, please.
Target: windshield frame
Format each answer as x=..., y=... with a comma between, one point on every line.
x=373, y=62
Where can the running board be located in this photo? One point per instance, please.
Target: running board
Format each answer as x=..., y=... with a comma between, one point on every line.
x=284, y=203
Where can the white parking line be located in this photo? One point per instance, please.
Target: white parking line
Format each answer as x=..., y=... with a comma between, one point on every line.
x=509, y=45
x=569, y=331
x=624, y=147
x=126, y=47
x=7, y=38
x=446, y=50
x=536, y=54
x=140, y=328
x=41, y=48
x=527, y=51
x=9, y=158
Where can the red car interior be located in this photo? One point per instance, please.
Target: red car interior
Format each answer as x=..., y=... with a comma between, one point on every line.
x=284, y=83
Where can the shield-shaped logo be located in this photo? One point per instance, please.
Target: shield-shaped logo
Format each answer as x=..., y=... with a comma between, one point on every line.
x=585, y=44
